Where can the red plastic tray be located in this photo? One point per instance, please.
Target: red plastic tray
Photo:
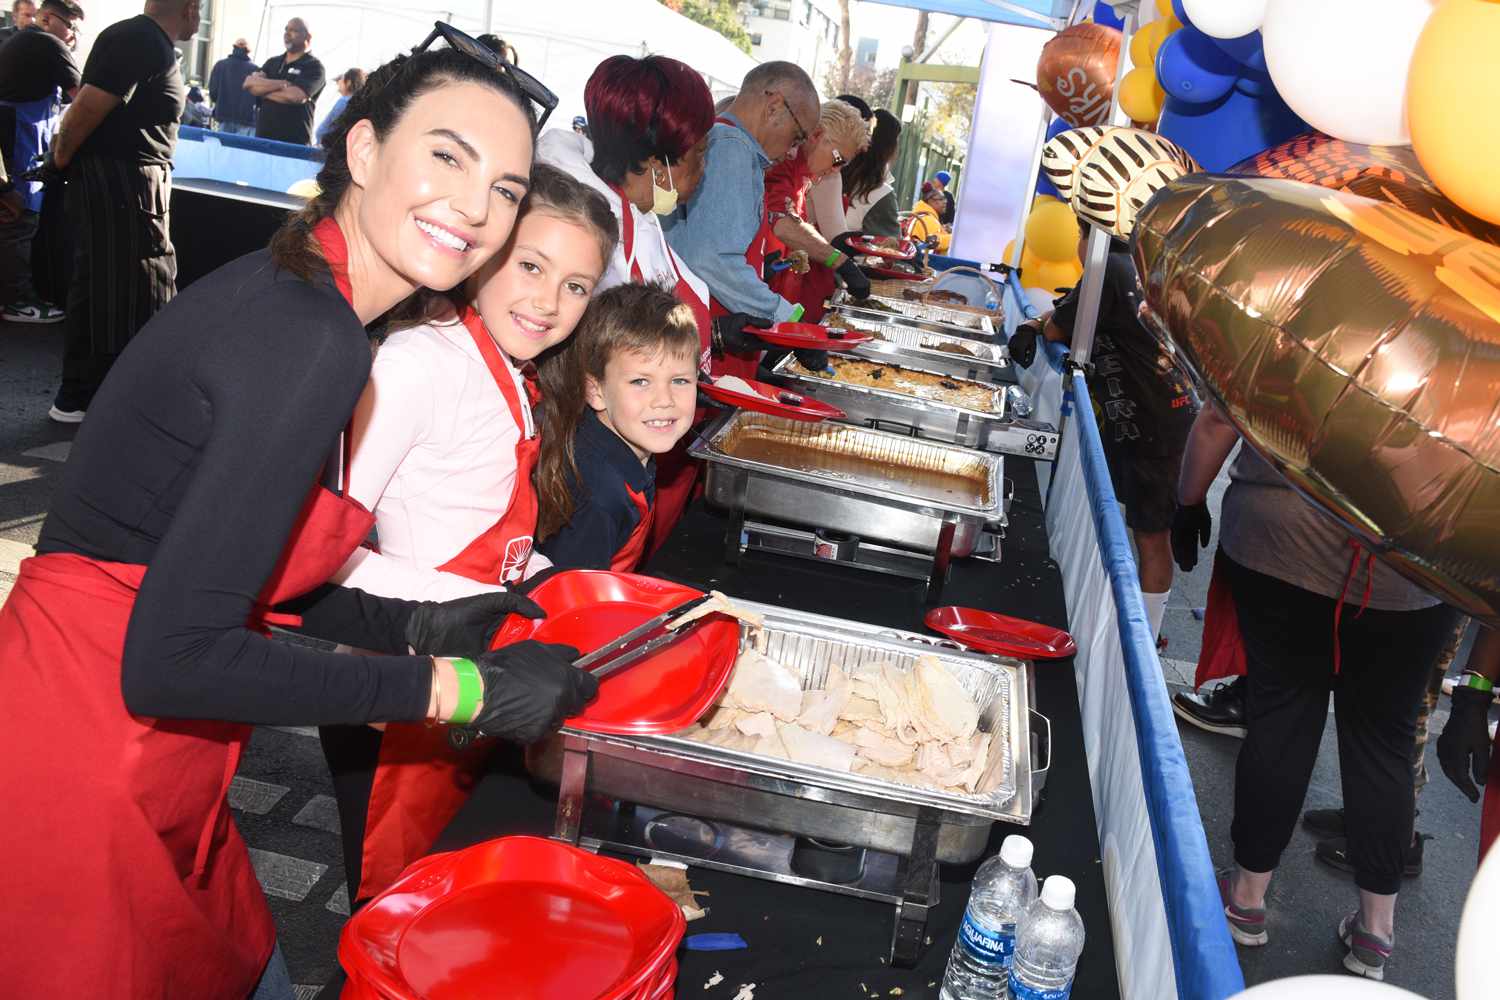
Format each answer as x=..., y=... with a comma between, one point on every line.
x=989, y=632
x=544, y=919
x=810, y=336
x=587, y=608
x=774, y=400
x=906, y=251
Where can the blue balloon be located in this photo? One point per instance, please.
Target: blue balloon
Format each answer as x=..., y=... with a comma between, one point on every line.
x=1192, y=68
x=1179, y=12
x=1043, y=184
x=1248, y=50
x=1228, y=130
x=1105, y=14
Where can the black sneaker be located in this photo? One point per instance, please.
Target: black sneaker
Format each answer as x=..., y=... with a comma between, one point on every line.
x=1328, y=822
x=1335, y=854
x=1221, y=710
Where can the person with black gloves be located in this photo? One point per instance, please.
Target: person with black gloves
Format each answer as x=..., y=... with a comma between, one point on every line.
x=839, y=136
x=1465, y=749
x=1192, y=527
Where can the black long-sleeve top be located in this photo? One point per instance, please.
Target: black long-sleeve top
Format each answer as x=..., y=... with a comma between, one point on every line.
x=197, y=455
x=605, y=508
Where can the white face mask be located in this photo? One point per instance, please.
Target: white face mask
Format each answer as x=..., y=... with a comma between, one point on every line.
x=663, y=199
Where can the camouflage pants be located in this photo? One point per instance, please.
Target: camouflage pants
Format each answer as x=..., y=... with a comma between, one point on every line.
x=1429, y=702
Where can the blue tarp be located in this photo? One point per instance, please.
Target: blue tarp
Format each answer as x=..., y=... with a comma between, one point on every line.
x=1043, y=12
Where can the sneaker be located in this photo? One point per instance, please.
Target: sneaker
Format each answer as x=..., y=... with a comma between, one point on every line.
x=1221, y=710
x=1368, y=952
x=32, y=312
x=62, y=416
x=1246, y=926
x=1328, y=822
x=1335, y=854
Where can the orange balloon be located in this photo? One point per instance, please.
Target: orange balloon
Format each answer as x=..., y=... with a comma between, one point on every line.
x=1076, y=73
x=1450, y=103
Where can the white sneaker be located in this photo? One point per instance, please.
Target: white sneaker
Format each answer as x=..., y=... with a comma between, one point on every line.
x=66, y=416
x=32, y=312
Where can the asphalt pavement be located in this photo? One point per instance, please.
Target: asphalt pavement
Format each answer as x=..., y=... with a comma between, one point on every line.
x=281, y=799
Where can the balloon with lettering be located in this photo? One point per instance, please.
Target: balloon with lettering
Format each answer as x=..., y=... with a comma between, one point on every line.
x=1356, y=346
x=1076, y=73
x=1452, y=104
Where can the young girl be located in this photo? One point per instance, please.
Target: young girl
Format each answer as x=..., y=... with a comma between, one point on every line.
x=621, y=392
x=444, y=447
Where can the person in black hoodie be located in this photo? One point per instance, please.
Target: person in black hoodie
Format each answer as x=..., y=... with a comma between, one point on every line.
x=234, y=107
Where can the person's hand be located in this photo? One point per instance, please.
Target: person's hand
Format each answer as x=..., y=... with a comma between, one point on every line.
x=813, y=361
x=529, y=689
x=854, y=279
x=1191, y=527
x=1023, y=343
x=729, y=334
x=771, y=265
x=1464, y=747
x=466, y=626
x=11, y=206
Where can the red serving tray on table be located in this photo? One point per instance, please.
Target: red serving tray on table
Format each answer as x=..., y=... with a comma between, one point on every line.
x=809, y=336
x=906, y=251
x=773, y=400
x=989, y=632
x=589, y=608
x=521, y=917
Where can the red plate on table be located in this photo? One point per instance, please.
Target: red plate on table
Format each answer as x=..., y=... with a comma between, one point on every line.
x=773, y=400
x=989, y=632
x=809, y=336
x=906, y=250
x=541, y=918
x=588, y=608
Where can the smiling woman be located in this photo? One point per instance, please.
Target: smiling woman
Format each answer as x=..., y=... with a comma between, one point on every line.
x=208, y=485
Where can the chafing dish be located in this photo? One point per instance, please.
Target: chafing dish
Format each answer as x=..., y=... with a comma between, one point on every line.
x=984, y=322
x=879, y=486
x=743, y=812
x=963, y=356
x=938, y=421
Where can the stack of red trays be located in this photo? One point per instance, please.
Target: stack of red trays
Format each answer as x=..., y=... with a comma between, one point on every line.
x=520, y=917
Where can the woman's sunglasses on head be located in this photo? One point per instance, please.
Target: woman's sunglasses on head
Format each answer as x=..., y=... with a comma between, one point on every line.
x=535, y=90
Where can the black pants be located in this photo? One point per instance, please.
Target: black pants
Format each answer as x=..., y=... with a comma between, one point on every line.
x=1386, y=661
x=124, y=267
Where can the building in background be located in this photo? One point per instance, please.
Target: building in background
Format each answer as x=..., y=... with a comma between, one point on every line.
x=805, y=32
x=866, y=51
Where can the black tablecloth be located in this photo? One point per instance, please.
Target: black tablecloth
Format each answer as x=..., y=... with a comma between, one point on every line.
x=783, y=923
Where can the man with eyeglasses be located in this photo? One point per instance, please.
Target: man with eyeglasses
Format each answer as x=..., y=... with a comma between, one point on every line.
x=723, y=231
x=37, y=77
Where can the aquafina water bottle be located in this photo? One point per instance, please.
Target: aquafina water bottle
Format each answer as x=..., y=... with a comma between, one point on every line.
x=1049, y=940
x=1003, y=888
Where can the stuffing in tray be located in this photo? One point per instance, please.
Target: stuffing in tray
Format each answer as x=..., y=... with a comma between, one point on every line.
x=908, y=381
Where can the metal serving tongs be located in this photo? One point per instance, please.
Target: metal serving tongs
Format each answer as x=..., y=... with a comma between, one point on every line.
x=635, y=646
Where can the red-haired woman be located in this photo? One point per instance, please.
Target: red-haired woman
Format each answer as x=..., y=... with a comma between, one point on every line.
x=649, y=120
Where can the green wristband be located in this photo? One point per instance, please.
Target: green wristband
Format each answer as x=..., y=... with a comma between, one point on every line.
x=833, y=259
x=470, y=689
x=797, y=312
x=1477, y=682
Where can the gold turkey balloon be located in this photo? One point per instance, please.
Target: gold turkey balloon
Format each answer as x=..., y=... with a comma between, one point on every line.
x=1076, y=73
x=1356, y=346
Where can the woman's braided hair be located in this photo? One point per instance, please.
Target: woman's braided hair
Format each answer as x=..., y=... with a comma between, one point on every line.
x=386, y=95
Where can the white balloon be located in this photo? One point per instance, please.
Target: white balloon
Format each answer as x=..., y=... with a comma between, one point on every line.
x=1226, y=18
x=1474, y=958
x=1325, y=988
x=1341, y=65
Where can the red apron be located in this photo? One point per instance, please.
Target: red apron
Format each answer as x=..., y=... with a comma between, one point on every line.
x=788, y=183
x=629, y=556
x=1489, y=815
x=743, y=365
x=1223, y=652
x=421, y=781
x=126, y=876
x=676, y=473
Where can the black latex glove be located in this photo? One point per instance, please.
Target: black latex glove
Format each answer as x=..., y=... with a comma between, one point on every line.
x=1464, y=747
x=766, y=375
x=464, y=627
x=529, y=689
x=1023, y=344
x=729, y=334
x=813, y=361
x=854, y=279
x=841, y=242
x=1191, y=527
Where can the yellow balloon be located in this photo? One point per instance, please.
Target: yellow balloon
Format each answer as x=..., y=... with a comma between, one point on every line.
x=1450, y=103
x=1052, y=231
x=307, y=187
x=1141, y=95
x=1054, y=276
x=1164, y=7
x=1145, y=42
x=1042, y=199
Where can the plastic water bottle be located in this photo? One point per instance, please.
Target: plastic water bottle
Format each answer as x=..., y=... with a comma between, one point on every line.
x=1049, y=940
x=1003, y=888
